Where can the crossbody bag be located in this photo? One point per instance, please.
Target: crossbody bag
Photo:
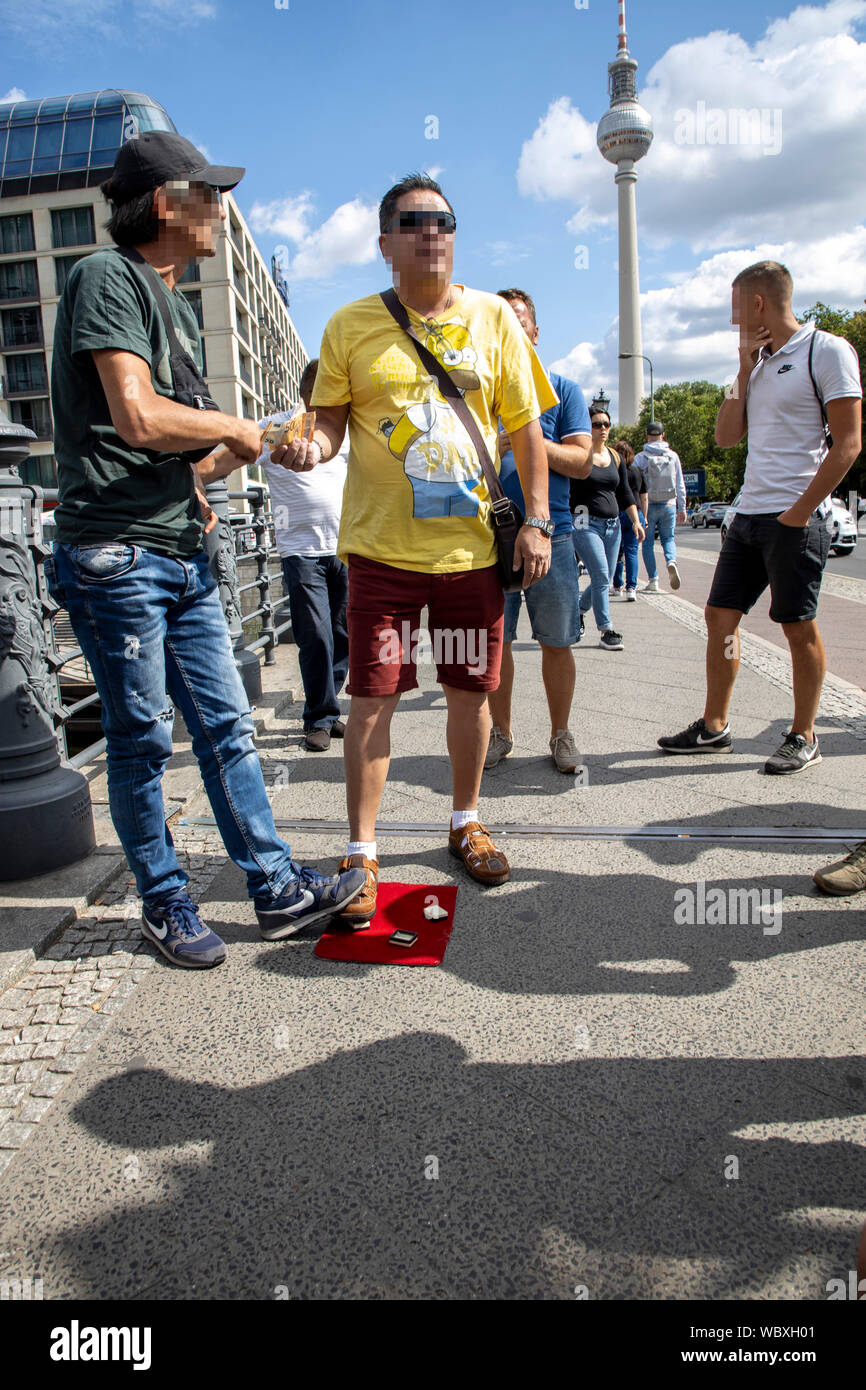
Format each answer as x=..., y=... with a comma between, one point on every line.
x=506, y=515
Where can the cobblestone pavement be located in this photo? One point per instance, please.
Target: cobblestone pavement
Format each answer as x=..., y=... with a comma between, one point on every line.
x=54, y=1015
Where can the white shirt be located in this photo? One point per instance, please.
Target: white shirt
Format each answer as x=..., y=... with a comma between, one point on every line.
x=786, y=433
x=306, y=506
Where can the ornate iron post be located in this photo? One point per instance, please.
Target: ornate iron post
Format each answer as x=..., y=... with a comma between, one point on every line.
x=220, y=547
x=45, y=814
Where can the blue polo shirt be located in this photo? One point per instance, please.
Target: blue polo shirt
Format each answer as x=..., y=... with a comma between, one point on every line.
x=570, y=416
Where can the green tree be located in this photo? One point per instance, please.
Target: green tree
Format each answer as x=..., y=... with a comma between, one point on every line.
x=688, y=411
x=850, y=324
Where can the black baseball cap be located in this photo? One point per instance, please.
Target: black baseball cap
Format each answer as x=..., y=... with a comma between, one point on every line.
x=160, y=156
x=655, y=428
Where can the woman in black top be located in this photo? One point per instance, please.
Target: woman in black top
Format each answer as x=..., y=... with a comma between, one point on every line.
x=596, y=502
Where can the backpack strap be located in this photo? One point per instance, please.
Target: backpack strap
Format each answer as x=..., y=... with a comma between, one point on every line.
x=820, y=399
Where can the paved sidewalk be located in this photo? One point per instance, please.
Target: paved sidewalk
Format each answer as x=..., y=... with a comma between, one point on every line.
x=598, y=1091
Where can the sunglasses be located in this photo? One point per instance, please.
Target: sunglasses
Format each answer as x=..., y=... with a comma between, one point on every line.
x=424, y=218
x=601, y=425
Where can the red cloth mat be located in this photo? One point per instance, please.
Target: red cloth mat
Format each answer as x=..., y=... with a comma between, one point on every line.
x=400, y=907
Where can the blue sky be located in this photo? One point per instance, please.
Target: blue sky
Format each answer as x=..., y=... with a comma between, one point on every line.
x=326, y=102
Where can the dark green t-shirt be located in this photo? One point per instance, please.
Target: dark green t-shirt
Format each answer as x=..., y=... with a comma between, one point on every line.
x=109, y=490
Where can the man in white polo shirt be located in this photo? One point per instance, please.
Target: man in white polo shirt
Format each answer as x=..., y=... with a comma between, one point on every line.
x=779, y=536
x=307, y=510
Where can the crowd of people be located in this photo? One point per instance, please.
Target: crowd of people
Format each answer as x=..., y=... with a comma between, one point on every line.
x=383, y=512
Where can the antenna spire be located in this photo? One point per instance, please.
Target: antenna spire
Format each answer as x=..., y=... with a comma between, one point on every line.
x=622, y=38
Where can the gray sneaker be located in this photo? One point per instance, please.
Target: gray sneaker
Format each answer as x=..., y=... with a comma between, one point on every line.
x=652, y=587
x=498, y=748
x=564, y=750
x=847, y=875
x=792, y=755
x=674, y=575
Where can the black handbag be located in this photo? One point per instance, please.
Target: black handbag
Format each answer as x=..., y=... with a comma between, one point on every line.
x=187, y=382
x=507, y=517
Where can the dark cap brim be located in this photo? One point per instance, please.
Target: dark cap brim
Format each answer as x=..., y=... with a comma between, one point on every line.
x=221, y=176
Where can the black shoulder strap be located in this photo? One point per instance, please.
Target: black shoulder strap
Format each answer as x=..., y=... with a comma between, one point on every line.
x=818, y=395
x=452, y=393
x=160, y=295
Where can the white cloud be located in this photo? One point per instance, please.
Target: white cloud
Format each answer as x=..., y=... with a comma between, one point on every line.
x=53, y=26
x=286, y=217
x=14, y=94
x=348, y=237
x=807, y=75
x=686, y=324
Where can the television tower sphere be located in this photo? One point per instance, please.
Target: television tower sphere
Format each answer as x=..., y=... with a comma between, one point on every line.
x=625, y=131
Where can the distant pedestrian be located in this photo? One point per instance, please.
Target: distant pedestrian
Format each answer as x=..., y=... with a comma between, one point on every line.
x=629, y=549
x=597, y=501
x=306, y=509
x=797, y=394
x=666, y=503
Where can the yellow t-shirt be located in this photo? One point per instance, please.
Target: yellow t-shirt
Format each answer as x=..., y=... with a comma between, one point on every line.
x=415, y=494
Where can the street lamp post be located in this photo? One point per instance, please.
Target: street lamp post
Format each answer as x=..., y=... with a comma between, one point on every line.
x=600, y=401
x=644, y=358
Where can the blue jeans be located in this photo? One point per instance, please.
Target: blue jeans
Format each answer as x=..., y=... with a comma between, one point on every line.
x=663, y=515
x=150, y=624
x=318, y=590
x=596, y=542
x=552, y=602
x=628, y=552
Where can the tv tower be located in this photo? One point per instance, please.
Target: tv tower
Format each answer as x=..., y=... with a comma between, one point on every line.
x=625, y=134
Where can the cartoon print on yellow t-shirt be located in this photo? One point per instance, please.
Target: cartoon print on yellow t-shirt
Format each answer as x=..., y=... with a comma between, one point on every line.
x=438, y=457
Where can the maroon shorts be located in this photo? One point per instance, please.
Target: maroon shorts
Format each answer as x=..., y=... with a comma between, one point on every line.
x=385, y=641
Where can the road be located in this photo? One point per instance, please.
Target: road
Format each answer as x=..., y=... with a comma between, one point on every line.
x=851, y=566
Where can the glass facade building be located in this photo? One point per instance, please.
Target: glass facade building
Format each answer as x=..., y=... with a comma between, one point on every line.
x=54, y=154
x=70, y=142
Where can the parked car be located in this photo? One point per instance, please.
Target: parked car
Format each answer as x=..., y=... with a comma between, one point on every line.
x=841, y=525
x=709, y=514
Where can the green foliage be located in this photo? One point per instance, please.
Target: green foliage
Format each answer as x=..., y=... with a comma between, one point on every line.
x=688, y=411
x=850, y=324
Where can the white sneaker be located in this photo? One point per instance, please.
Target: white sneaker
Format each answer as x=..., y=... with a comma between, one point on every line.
x=652, y=587
x=631, y=596
x=498, y=748
x=674, y=575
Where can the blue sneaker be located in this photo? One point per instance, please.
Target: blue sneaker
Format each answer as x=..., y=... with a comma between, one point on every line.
x=176, y=929
x=308, y=898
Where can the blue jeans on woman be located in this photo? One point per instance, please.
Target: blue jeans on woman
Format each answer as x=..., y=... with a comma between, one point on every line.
x=318, y=590
x=152, y=630
x=629, y=552
x=596, y=543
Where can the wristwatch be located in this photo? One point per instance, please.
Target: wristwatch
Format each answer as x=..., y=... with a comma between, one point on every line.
x=547, y=527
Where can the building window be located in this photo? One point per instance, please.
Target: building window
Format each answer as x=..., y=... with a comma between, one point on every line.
x=21, y=327
x=16, y=233
x=26, y=372
x=72, y=227
x=34, y=415
x=191, y=274
x=40, y=470
x=62, y=267
x=18, y=280
x=203, y=360
x=193, y=298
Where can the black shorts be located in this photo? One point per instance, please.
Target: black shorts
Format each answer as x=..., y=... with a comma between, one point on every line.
x=759, y=551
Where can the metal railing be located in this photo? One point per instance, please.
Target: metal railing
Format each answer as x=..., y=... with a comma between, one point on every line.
x=259, y=600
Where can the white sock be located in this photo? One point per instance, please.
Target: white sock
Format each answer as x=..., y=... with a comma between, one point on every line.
x=365, y=847
x=461, y=818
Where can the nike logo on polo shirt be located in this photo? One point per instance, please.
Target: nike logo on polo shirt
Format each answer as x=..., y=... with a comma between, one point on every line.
x=788, y=367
